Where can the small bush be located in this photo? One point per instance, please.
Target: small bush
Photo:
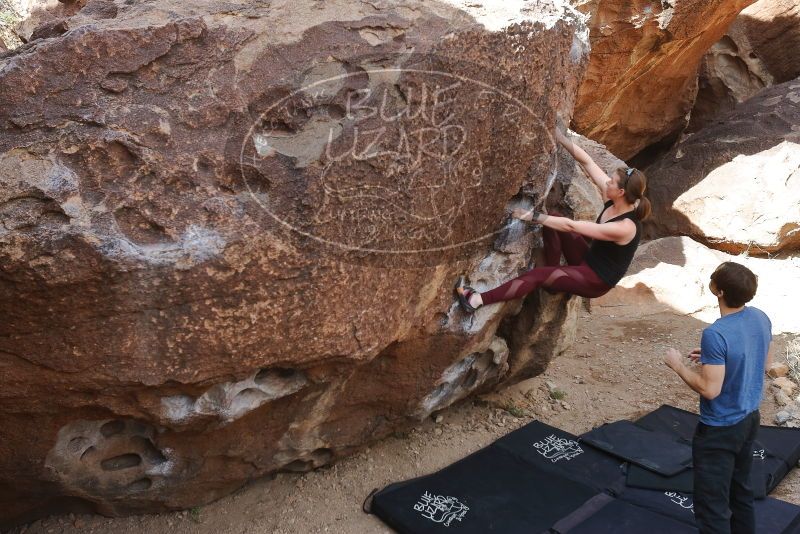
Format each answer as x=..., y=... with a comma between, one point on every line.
x=514, y=410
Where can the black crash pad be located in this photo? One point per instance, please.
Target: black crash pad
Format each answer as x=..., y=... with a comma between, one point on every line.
x=760, y=477
x=772, y=515
x=492, y=490
x=541, y=479
x=604, y=513
x=557, y=451
x=779, y=447
x=657, y=451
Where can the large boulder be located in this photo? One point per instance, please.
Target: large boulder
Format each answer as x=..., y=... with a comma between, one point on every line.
x=229, y=234
x=771, y=30
x=642, y=76
x=672, y=275
x=581, y=197
x=729, y=75
x=761, y=48
x=735, y=185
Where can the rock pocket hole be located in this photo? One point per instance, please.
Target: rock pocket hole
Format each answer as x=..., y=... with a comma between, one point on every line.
x=150, y=453
x=250, y=395
x=281, y=372
x=299, y=466
x=140, y=485
x=247, y=400
x=139, y=226
x=470, y=379
x=123, y=461
x=76, y=445
x=321, y=457
x=87, y=452
x=111, y=428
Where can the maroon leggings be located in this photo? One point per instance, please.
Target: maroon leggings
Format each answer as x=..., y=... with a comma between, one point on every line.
x=576, y=277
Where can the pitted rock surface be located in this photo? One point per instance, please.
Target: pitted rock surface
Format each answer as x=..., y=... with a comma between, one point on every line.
x=229, y=233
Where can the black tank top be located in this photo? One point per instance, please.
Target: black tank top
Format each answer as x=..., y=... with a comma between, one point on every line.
x=609, y=260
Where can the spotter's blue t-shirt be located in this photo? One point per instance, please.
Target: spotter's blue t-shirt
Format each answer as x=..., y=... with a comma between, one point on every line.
x=740, y=342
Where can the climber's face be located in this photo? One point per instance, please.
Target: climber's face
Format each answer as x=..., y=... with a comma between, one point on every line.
x=613, y=189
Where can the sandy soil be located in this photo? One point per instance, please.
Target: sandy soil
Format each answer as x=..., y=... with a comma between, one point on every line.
x=614, y=371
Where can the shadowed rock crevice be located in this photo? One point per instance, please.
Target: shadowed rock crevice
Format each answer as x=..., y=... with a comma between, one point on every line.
x=476, y=372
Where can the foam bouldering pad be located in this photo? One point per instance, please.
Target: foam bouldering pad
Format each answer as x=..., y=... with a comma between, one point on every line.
x=541, y=479
x=653, y=450
x=555, y=450
x=604, y=513
x=492, y=490
x=772, y=515
x=777, y=450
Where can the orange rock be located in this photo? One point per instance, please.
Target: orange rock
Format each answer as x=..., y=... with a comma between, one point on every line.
x=642, y=76
x=778, y=369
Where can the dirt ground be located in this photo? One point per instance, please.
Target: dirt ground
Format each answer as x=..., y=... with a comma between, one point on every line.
x=613, y=371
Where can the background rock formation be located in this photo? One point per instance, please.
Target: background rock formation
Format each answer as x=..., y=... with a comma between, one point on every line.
x=642, y=76
x=761, y=48
x=229, y=233
x=676, y=271
x=735, y=184
x=729, y=75
x=771, y=29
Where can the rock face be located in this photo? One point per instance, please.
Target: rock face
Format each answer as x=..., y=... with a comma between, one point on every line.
x=771, y=30
x=761, y=48
x=672, y=273
x=754, y=152
x=229, y=234
x=580, y=194
x=642, y=76
x=729, y=75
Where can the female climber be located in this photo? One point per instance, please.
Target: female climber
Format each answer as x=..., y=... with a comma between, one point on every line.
x=593, y=266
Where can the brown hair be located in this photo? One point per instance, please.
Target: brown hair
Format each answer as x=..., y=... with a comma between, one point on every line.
x=737, y=283
x=634, y=182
